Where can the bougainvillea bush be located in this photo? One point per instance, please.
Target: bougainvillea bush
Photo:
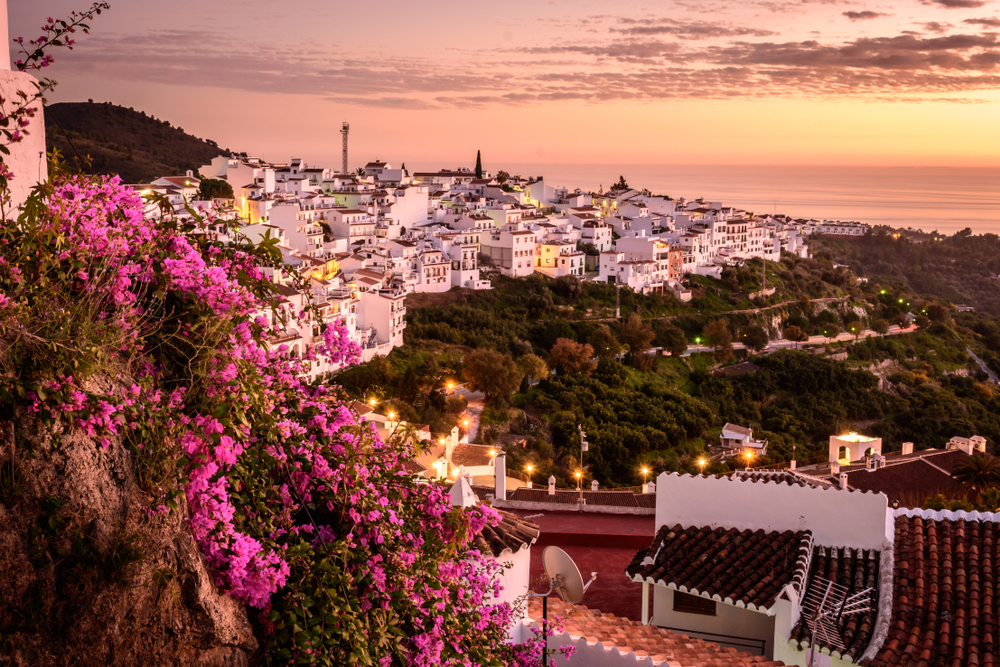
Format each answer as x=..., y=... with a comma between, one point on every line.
x=301, y=511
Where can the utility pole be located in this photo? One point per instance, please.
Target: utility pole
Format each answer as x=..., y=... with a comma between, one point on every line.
x=345, y=130
x=618, y=300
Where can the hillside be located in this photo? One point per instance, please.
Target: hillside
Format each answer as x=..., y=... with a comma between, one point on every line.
x=957, y=268
x=124, y=141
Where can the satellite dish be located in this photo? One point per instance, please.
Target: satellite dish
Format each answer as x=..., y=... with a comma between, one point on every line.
x=564, y=575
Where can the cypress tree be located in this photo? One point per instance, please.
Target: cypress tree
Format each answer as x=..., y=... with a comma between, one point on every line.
x=479, y=164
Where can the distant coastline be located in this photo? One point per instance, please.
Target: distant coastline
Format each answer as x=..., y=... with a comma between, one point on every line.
x=945, y=199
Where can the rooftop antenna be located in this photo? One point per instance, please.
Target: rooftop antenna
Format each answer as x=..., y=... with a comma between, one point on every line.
x=345, y=130
x=825, y=604
x=564, y=579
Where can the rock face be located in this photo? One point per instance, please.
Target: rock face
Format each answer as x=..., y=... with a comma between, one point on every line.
x=89, y=577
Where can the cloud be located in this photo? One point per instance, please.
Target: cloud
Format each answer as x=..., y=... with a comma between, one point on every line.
x=904, y=67
x=956, y=4
x=865, y=15
x=687, y=28
x=985, y=22
x=935, y=26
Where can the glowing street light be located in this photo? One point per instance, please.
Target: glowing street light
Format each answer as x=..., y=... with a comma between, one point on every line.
x=749, y=457
x=702, y=462
x=578, y=476
x=465, y=423
x=645, y=472
x=371, y=402
x=392, y=415
x=493, y=453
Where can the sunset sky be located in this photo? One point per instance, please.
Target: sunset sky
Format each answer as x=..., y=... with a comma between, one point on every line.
x=811, y=82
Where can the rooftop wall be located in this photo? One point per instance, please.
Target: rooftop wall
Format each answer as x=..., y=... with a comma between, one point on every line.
x=835, y=517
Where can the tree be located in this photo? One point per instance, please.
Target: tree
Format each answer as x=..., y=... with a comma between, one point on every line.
x=214, y=188
x=755, y=338
x=831, y=331
x=973, y=475
x=635, y=333
x=795, y=334
x=879, y=326
x=622, y=184
x=671, y=338
x=360, y=171
x=492, y=373
x=938, y=312
x=502, y=177
x=479, y=164
x=719, y=337
x=540, y=302
x=405, y=170
x=568, y=286
x=605, y=343
x=533, y=367
x=572, y=357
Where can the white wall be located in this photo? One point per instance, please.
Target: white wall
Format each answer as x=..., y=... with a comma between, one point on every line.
x=27, y=157
x=516, y=579
x=835, y=517
x=729, y=620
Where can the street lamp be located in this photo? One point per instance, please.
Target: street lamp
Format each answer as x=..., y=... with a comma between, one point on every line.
x=465, y=423
x=749, y=456
x=701, y=462
x=645, y=471
x=451, y=385
x=578, y=475
x=392, y=415
x=371, y=401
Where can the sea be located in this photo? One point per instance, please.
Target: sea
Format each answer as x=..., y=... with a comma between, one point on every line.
x=939, y=199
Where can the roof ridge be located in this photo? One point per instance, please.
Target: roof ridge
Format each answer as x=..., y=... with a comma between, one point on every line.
x=948, y=515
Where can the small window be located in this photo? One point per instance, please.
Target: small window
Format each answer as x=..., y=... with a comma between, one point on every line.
x=693, y=604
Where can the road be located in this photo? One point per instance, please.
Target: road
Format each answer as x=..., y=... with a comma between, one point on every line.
x=813, y=340
x=982, y=364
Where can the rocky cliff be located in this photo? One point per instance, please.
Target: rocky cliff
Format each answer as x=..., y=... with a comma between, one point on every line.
x=89, y=575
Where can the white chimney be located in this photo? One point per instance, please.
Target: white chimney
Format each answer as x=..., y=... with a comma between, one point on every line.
x=843, y=480
x=651, y=487
x=593, y=485
x=449, y=445
x=791, y=466
x=834, y=467
x=552, y=485
x=907, y=448
x=500, y=476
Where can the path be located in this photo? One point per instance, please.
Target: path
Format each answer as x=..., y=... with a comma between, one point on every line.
x=474, y=410
x=982, y=364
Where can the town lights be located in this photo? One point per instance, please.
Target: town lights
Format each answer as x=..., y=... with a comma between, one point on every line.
x=749, y=457
x=392, y=415
x=465, y=423
x=493, y=453
x=371, y=402
x=645, y=472
x=701, y=464
x=451, y=385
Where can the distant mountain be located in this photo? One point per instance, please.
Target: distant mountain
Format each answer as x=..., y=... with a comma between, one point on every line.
x=124, y=141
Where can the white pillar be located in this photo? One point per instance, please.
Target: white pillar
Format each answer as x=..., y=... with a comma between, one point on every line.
x=645, y=603
x=500, y=476
x=552, y=485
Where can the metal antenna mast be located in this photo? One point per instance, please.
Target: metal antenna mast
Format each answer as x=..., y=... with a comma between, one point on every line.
x=345, y=130
x=824, y=605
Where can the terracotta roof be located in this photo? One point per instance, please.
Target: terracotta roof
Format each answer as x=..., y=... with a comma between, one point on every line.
x=471, y=455
x=856, y=570
x=512, y=534
x=788, y=477
x=944, y=609
x=663, y=647
x=742, y=568
x=542, y=496
x=412, y=467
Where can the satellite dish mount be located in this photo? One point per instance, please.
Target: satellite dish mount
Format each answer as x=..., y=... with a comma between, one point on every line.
x=565, y=579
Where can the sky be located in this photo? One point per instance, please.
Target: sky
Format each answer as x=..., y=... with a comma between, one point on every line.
x=700, y=82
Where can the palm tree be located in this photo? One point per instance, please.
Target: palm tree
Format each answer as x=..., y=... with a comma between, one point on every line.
x=974, y=475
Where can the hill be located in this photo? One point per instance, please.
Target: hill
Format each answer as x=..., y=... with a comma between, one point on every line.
x=957, y=268
x=124, y=141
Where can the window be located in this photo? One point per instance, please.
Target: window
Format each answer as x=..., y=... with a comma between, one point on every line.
x=693, y=604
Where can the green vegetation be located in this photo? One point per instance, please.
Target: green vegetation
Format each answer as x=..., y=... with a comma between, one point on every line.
x=124, y=141
x=655, y=408
x=956, y=268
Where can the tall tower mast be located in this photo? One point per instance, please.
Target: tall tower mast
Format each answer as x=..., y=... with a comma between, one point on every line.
x=345, y=130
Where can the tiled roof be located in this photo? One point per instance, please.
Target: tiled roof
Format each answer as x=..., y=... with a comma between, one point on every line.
x=788, y=477
x=742, y=568
x=608, y=498
x=944, y=608
x=512, y=534
x=471, y=455
x=741, y=430
x=542, y=496
x=663, y=647
x=856, y=570
x=412, y=467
